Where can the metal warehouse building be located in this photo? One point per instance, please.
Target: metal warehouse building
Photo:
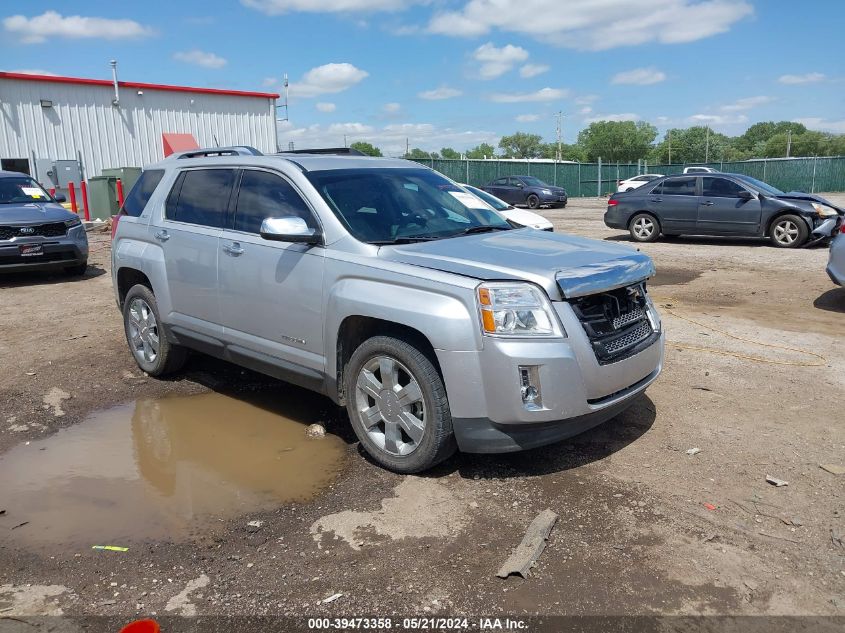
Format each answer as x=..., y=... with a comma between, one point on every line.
x=93, y=124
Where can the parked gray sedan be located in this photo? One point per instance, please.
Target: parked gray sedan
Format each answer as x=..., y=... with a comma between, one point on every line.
x=836, y=263
x=36, y=232
x=722, y=204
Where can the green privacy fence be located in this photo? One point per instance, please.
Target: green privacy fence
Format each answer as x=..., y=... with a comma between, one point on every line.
x=592, y=179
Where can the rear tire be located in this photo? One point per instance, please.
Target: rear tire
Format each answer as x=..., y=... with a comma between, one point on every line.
x=397, y=405
x=644, y=227
x=788, y=231
x=533, y=201
x=147, y=341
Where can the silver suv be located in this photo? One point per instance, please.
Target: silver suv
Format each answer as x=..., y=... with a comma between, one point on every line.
x=390, y=289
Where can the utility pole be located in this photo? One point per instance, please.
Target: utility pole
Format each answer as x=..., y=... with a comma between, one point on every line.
x=344, y=141
x=407, y=147
x=559, y=117
x=669, y=135
x=707, y=145
x=788, y=142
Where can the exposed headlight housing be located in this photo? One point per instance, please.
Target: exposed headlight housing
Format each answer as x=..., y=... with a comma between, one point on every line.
x=824, y=211
x=73, y=222
x=547, y=192
x=516, y=310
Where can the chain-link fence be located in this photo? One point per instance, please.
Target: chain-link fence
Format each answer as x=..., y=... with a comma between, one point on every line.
x=594, y=179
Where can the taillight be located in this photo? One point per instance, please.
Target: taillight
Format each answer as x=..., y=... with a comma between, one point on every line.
x=612, y=202
x=114, y=220
x=842, y=228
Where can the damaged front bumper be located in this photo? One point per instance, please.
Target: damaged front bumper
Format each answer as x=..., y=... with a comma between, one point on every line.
x=826, y=229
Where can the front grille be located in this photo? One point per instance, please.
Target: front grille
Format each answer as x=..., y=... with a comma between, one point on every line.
x=52, y=229
x=616, y=322
x=59, y=256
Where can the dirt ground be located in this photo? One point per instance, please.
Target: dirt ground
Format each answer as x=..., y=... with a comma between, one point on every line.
x=644, y=527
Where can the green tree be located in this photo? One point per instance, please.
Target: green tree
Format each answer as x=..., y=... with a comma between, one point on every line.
x=448, y=152
x=810, y=143
x=521, y=145
x=366, y=148
x=754, y=139
x=418, y=153
x=695, y=144
x=484, y=150
x=617, y=140
x=568, y=152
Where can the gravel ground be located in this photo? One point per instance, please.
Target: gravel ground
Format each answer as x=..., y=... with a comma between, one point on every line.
x=644, y=527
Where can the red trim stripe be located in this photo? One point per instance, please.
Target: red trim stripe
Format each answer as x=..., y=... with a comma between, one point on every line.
x=135, y=84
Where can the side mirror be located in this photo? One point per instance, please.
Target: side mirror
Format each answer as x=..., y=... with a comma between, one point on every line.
x=60, y=197
x=289, y=229
x=520, y=185
x=745, y=195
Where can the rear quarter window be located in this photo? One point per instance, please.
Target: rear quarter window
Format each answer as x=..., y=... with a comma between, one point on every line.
x=141, y=193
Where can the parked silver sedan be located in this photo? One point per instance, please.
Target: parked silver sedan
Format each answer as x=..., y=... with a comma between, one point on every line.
x=836, y=263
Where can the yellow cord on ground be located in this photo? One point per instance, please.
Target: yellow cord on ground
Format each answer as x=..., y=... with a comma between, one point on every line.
x=665, y=306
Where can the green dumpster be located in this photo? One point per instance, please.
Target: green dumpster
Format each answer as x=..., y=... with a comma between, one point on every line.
x=128, y=176
x=102, y=197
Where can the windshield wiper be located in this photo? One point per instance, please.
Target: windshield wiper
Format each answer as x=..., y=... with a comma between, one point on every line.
x=483, y=229
x=407, y=239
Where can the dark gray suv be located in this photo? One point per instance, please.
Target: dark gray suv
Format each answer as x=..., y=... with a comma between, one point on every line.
x=36, y=232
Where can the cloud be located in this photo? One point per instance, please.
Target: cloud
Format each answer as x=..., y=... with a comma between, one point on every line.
x=443, y=92
x=527, y=118
x=624, y=116
x=807, y=78
x=51, y=24
x=639, y=77
x=824, y=125
x=327, y=79
x=746, y=104
x=590, y=25
x=391, y=108
x=269, y=82
x=585, y=110
x=278, y=7
x=716, y=119
x=390, y=139
x=586, y=99
x=323, y=106
x=200, y=58
x=545, y=94
x=32, y=71
x=532, y=70
x=495, y=62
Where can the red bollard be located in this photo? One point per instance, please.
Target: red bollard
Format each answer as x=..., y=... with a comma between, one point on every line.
x=71, y=192
x=53, y=191
x=119, y=193
x=83, y=187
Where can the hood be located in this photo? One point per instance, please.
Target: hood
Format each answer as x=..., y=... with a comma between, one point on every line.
x=562, y=264
x=551, y=188
x=34, y=213
x=809, y=197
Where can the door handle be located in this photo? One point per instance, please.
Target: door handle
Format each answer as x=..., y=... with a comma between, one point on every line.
x=655, y=200
x=707, y=204
x=162, y=236
x=235, y=249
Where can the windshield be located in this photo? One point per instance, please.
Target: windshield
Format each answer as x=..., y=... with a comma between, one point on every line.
x=17, y=190
x=761, y=186
x=383, y=206
x=531, y=181
x=490, y=199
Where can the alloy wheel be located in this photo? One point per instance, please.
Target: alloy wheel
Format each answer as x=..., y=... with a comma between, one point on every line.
x=786, y=232
x=143, y=331
x=390, y=405
x=643, y=228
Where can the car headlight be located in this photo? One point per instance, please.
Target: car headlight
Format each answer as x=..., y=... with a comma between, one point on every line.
x=73, y=222
x=825, y=211
x=516, y=309
x=546, y=192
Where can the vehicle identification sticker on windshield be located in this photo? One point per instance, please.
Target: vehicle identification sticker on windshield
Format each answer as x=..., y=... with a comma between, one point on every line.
x=33, y=192
x=468, y=200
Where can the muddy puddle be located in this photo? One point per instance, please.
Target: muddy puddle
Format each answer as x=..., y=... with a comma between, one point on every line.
x=160, y=469
x=667, y=276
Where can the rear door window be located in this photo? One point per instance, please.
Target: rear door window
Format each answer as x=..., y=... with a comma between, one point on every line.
x=265, y=195
x=677, y=187
x=142, y=192
x=203, y=197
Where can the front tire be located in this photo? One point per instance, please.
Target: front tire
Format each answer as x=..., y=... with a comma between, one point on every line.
x=147, y=341
x=644, y=227
x=788, y=231
x=397, y=405
x=533, y=201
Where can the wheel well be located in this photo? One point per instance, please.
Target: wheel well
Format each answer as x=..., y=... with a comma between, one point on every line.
x=779, y=215
x=128, y=277
x=356, y=329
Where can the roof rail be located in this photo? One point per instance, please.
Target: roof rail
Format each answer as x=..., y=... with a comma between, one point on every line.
x=237, y=150
x=338, y=151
